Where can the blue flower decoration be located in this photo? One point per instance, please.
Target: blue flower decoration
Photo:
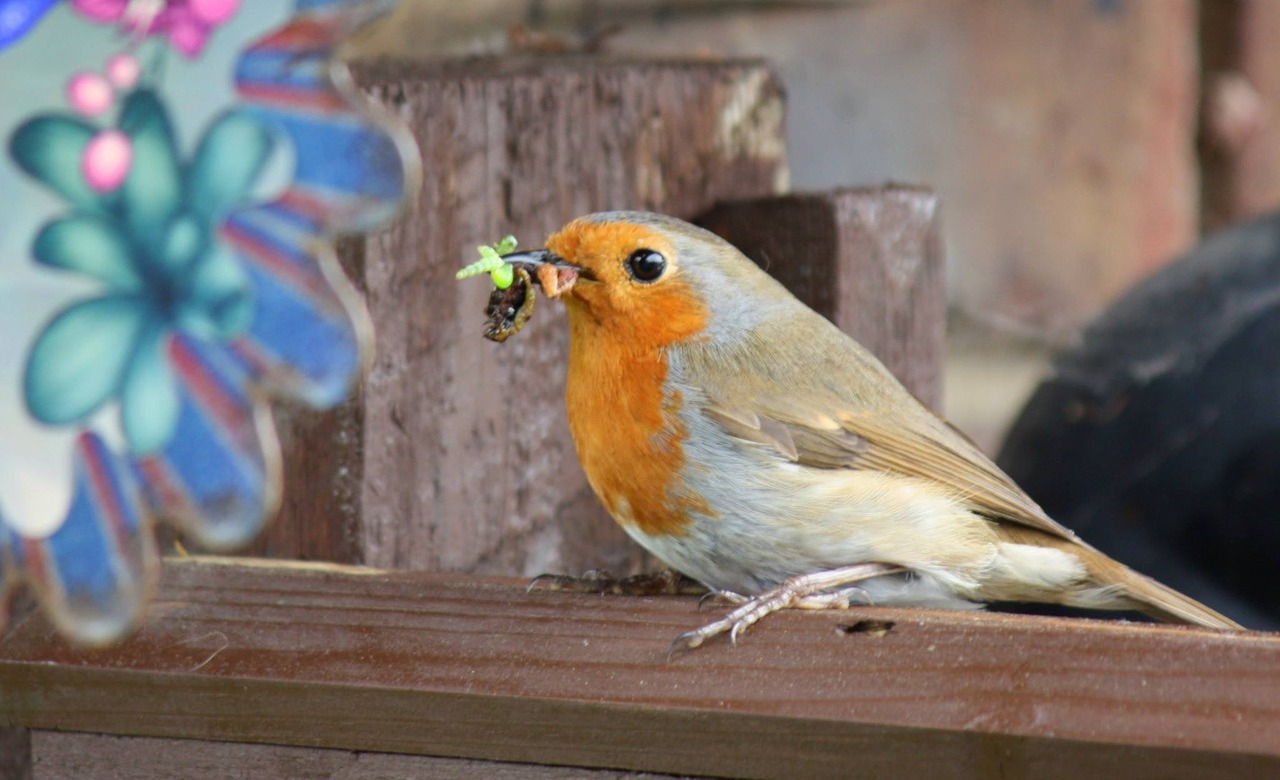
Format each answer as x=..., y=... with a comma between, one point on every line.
x=17, y=17
x=154, y=245
x=205, y=301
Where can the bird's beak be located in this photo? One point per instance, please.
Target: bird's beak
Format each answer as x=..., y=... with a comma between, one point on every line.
x=555, y=276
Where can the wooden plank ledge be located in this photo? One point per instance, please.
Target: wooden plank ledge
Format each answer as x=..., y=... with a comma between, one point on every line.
x=451, y=665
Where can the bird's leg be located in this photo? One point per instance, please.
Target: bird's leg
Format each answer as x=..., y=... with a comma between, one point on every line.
x=667, y=582
x=805, y=591
x=838, y=600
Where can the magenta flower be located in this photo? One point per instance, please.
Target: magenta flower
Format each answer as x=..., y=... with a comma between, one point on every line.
x=187, y=23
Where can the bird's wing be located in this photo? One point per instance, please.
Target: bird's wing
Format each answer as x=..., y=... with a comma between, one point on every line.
x=818, y=430
x=818, y=435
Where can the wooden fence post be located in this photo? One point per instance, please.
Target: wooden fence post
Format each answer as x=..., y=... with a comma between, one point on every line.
x=454, y=455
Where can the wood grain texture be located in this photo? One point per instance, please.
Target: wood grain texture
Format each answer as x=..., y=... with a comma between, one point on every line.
x=15, y=754
x=439, y=664
x=868, y=259
x=71, y=756
x=455, y=455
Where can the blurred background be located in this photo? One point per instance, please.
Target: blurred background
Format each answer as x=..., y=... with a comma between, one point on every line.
x=1079, y=148
x=1076, y=145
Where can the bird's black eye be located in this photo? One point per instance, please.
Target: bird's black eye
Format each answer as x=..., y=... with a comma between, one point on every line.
x=646, y=265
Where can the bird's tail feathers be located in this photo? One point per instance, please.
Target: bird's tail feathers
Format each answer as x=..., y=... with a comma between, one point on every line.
x=1164, y=603
x=1148, y=596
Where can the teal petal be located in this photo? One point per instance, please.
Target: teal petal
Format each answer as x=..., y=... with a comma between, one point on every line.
x=218, y=304
x=88, y=244
x=184, y=241
x=153, y=191
x=49, y=148
x=79, y=359
x=149, y=400
x=228, y=162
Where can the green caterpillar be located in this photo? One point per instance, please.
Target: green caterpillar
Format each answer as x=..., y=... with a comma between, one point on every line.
x=491, y=263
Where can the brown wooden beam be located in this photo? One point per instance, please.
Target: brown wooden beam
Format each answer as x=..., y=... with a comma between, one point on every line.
x=75, y=756
x=476, y=668
x=15, y=754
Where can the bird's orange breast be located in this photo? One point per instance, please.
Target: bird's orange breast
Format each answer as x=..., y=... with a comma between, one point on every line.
x=629, y=441
x=628, y=434
x=622, y=412
x=629, y=437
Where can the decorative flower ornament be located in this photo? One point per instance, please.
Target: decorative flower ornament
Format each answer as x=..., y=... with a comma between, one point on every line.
x=17, y=17
x=153, y=245
x=186, y=23
x=179, y=283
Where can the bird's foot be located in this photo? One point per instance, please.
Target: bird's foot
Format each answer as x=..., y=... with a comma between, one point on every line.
x=806, y=591
x=660, y=583
x=722, y=598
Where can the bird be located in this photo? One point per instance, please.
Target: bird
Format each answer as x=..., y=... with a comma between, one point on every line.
x=748, y=443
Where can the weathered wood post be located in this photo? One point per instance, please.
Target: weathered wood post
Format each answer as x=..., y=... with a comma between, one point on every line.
x=869, y=259
x=454, y=455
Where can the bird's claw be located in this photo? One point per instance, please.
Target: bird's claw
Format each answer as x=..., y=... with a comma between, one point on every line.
x=722, y=597
x=748, y=612
x=689, y=640
x=819, y=590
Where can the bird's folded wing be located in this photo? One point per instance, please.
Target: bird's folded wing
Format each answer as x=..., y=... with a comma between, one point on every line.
x=821, y=432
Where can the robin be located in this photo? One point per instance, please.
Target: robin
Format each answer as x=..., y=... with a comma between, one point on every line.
x=748, y=443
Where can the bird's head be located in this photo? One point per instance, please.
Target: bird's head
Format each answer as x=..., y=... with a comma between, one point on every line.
x=654, y=281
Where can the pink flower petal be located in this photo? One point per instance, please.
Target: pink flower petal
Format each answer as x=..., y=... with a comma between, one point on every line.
x=122, y=70
x=106, y=160
x=213, y=12
x=188, y=36
x=100, y=10
x=89, y=93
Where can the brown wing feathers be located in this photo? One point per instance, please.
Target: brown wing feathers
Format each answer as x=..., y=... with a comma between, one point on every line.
x=851, y=440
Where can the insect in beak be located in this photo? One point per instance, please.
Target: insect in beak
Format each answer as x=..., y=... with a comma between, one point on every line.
x=554, y=275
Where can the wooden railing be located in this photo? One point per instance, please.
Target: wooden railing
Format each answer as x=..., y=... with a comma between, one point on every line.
x=343, y=660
